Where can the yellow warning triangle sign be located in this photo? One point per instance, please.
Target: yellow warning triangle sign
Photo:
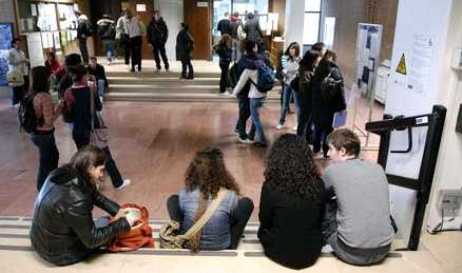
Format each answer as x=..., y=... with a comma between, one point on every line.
x=402, y=66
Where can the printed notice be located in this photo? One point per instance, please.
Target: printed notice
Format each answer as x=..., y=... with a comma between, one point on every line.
x=420, y=63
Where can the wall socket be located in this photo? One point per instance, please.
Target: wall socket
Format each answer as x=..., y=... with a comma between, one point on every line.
x=450, y=202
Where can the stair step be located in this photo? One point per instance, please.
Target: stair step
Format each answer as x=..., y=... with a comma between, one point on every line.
x=164, y=81
x=175, y=97
x=151, y=74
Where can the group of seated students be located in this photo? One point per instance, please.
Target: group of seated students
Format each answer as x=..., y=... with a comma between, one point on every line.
x=301, y=207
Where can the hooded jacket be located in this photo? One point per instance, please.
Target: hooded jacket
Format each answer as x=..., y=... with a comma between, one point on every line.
x=106, y=29
x=157, y=32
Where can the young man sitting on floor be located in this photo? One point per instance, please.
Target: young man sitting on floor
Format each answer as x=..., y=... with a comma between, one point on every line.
x=357, y=224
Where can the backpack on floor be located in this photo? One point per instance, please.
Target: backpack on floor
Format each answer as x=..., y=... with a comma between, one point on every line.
x=26, y=115
x=265, y=80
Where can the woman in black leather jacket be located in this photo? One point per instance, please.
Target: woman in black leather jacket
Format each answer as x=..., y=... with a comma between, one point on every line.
x=63, y=231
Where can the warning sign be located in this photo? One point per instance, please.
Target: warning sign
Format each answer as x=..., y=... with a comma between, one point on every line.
x=402, y=66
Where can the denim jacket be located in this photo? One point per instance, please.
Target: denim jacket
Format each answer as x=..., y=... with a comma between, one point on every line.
x=216, y=234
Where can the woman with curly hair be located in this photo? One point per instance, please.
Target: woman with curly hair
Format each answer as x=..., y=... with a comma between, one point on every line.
x=204, y=177
x=291, y=204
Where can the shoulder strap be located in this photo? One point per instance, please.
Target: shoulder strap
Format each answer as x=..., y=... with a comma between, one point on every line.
x=206, y=216
x=92, y=109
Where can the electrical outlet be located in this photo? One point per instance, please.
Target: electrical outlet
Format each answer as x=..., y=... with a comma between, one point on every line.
x=450, y=202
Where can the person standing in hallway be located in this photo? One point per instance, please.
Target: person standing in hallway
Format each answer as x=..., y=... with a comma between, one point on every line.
x=18, y=64
x=256, y=97
x=308, y=65
x=122, y=35
x=107, y=33
x=238, y=34
x=326, y=100
x=290, y=72
x=205, y=178
x=136, y=30
x=84, y=31
x=78, y=103
x=253, y=31
x=224, y=51
x=184, y=49
x=224, y=25
x=46, y=113
x=157, y=37
x=63, y=231
x=97, y=70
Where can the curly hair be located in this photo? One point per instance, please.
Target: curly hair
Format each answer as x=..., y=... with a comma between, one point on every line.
x=290, y=169
x=208, y=172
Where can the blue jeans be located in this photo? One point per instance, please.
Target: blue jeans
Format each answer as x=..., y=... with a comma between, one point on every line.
x=255, y=105
x=101, y=87
x=287, y=94
x=109, y=47
x=48, y=154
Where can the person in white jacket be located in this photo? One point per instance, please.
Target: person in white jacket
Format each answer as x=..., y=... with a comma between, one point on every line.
x=18, y=63
x=290, y=72
x=256, y=97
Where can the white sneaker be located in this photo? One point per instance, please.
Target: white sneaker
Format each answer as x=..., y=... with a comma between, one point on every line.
x=295, y=128
x=124, y=184
x=279, y=126
x=245, y=141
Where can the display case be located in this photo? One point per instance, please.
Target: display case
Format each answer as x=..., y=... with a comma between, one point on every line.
x=54, y=22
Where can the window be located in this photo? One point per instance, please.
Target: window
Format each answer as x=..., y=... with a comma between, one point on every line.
x=312, y=21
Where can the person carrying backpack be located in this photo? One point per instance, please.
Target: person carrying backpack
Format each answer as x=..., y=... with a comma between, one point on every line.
x=261, y=81
x=327, y=99
x=37, y=118
x=107, y=33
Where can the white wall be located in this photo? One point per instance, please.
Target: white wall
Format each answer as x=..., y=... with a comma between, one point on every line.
x=438, y=21
x=172, y=12
x=449, y=172
x=295, y=15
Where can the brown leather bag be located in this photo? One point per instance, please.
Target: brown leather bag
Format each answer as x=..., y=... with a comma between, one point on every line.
x=135, y=238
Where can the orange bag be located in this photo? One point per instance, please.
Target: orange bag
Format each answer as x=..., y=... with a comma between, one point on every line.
x=135, y=238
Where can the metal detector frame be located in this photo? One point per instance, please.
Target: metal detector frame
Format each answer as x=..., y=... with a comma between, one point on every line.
x=422, y=185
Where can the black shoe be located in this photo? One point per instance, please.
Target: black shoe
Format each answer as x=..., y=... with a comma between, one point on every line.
x=190, y=77
x=132, y=70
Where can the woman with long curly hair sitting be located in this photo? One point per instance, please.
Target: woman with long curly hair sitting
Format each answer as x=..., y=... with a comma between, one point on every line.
x=291, y=204
x=204, y=177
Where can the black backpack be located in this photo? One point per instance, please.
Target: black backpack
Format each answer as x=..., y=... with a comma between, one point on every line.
x=331, y=86
x=26, y=115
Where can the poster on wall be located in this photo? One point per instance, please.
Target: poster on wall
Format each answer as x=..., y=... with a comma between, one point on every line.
x=6, y=32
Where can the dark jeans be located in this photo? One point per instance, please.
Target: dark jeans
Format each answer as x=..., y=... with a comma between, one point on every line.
x=82, y=139
x=238, y=221
x=321, y=132
x=48, y=155
x=244, y=115
x=224, y=80
x=304, y=128
x=125, y=46
x=355, y=256
x=83, y=50
x=136, y=45
x=187, y=70
x=160, y=49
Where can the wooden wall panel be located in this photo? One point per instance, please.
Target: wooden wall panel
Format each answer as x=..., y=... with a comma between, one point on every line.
x=199, y=21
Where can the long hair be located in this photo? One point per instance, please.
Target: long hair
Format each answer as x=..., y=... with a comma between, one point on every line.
x=297, y=50
x=40, y=82
x=207, y=172
x=330, y=54
x=309, y=60
x=290, y=169
x=89, y=156
x=226, y=40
